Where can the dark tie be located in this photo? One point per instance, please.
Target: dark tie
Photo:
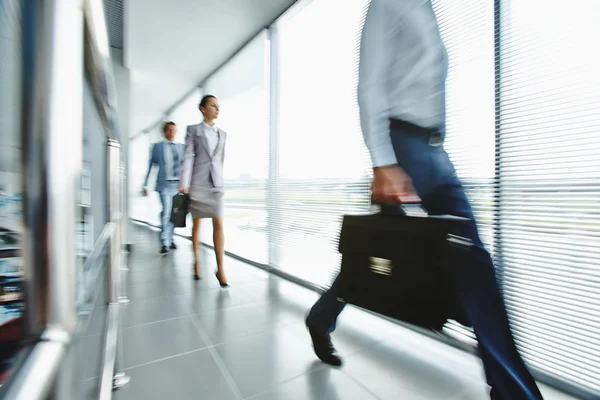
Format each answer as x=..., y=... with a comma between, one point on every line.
x=175, y=160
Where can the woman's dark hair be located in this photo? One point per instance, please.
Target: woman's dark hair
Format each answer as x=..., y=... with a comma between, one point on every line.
x=167, y=124
x=205, y=99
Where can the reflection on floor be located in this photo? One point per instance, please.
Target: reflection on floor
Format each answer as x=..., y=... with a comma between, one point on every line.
x=186, y=339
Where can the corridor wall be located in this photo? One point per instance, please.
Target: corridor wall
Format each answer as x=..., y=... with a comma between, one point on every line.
x=522, y=131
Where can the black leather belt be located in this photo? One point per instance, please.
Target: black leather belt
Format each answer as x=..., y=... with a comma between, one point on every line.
x=436, y=136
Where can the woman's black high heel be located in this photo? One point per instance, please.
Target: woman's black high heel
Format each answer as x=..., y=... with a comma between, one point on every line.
x=196, y=276
x=223, y=285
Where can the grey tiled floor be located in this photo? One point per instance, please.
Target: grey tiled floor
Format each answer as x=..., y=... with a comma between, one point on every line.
x=186, y=339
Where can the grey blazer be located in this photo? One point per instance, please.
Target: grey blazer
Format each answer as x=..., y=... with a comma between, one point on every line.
x=202, y=170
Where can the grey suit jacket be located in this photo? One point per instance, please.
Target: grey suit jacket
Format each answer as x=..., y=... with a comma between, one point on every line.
x=157, y=157
x=202, y=170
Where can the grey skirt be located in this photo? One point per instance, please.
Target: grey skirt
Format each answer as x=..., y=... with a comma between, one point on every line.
x=207, y=203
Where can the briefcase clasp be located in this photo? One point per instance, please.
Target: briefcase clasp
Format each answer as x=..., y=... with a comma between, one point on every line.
x=459, y=241
x=380, y=266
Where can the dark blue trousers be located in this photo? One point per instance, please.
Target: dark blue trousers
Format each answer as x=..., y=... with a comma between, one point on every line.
x=479, y=297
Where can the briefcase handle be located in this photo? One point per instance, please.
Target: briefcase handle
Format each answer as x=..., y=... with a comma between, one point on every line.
x=405, y=209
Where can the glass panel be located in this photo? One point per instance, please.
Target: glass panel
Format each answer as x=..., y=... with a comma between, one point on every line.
x=242, y=91
x=550, y=180
x=92, y=206
x=142, y=208
x=467, y=28
x=324, y=165
x=92, y=245
x=11, y=223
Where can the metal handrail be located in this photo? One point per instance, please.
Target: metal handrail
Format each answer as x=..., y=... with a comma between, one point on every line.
x=92, y=263
x=55, y=32
x=51, y=85
x=98, y=67
x=37, y=373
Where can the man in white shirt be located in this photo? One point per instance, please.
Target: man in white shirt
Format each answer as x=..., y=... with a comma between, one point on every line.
x=401, y=94
x=168, y=156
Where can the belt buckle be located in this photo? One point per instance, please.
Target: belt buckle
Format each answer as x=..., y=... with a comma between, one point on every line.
x=436, y=139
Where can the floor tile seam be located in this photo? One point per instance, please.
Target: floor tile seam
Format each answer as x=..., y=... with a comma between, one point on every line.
x=238, y=299
x=476, y=373
x=356, y=350
x=214, y=354
x=254, y=334
x=269, y=328
x=359, y=383
x=404, y=388
x=148, y=279
x=233, y=307
x=218, y=359
x=126, y=327
x=161, y=282
x=164, y=284
x=185, y=353
x=134, y=302
x=137, y=299
x=472, y=376
x=361, y=351
x=355, y=379
x=87, y=336
x=91, y=378
x=285, y=381
x=460, y=393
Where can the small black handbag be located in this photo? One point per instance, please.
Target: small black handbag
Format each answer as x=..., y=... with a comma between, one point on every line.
x=396, y=263
x=180, y=209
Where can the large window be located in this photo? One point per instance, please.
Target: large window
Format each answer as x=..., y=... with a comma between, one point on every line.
x=467, y=29
x=550, y=184
x=522, y=127
x=523, y=122
x=323, y=162
x=242, y=91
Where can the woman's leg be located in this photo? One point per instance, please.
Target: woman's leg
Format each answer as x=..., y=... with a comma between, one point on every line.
x=219, y=242
x=195, y=239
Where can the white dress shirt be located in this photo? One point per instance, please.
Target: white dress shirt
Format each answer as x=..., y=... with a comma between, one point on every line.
x=402, y=72
x=212, y=137
x=168, y=149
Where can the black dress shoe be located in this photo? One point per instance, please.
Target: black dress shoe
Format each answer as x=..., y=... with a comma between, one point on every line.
x=173, y=246
x=323, y=347
x=164, y=250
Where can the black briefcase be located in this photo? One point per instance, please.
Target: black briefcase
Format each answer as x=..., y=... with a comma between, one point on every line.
x=180, y=209
x=397, y=264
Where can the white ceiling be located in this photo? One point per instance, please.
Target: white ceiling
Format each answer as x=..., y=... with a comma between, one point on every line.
x=171, y=46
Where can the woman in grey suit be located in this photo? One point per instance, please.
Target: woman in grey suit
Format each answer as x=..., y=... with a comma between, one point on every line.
x=202, y=179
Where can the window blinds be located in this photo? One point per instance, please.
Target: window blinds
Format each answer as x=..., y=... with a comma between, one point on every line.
x=523, y=122
x=322, y=163
x=242, y=90
x=467, y=29
x=549, y=175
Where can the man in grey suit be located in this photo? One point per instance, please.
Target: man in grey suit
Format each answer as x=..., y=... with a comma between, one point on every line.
x=167, y=155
